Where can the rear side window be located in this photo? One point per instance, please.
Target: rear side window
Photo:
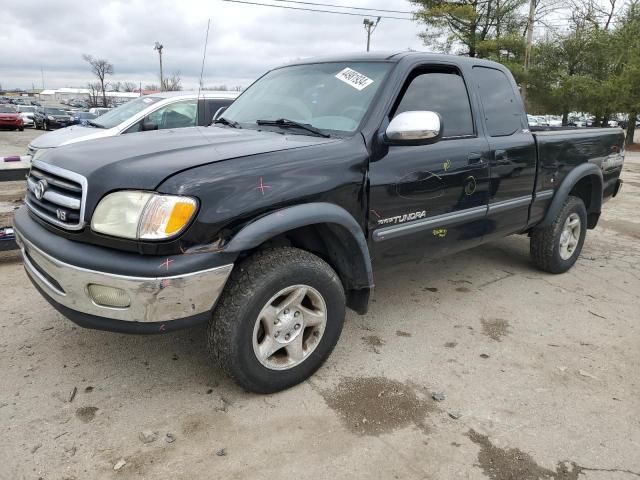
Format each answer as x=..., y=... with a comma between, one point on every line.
x=502, y=110
x=441, y=92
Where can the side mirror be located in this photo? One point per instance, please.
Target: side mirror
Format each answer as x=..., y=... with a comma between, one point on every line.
x=414, y=128
x=148, y=125
x=219, y=112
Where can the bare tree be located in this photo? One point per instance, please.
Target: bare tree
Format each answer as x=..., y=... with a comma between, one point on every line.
x=100, y=67
x=151, y=86
x=237, y=88
x=172, y=83
x=129, y=87
x=94, y=92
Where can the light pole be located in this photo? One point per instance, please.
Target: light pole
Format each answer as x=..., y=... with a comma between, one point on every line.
x=158, y=46
x=370, y=26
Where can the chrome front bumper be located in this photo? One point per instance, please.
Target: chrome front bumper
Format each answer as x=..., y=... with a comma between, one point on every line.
x=157, y=299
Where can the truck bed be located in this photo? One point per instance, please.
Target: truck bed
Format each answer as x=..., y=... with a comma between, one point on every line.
x=561, y=149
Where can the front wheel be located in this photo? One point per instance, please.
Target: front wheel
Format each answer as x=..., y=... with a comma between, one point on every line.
x=278, y=319
x=556, y=248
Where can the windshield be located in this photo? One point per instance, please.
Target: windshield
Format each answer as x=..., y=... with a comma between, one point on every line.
x=124, y=112
x=54, y=111
x=328, y=96
x=27, y=109
x=7, y=109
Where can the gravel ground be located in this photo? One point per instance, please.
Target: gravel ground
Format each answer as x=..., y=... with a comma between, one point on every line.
x=535, y=376
x=16, y=143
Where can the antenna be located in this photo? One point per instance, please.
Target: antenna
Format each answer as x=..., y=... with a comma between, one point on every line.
x=204, y=55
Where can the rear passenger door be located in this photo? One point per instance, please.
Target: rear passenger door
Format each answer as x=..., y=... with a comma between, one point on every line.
x=513, y=153
x=431, y=199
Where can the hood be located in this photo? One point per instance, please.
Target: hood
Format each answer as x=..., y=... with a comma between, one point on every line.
x=144, y=160
x=68, y=135
x=9, y=116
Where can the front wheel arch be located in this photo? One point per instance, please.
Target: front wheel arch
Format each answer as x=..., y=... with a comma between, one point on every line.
x=342, y=243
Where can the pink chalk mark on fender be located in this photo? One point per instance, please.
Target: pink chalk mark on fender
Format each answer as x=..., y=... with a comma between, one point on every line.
x=376, y=213
x=163, y=327
x=164, y=283
x=262, y=187
x=166, y=263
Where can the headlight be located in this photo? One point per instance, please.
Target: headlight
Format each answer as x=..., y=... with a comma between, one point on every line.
x=50, y=117
x=143, y=215
x=38, y=154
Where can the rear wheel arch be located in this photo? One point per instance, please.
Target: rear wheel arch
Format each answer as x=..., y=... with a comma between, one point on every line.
x=585, y=182
x=323, y=229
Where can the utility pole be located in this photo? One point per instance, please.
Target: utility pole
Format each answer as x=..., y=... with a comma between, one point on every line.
x=159, y=48
x=42, y=73
x=527, y=52
x=370, y=26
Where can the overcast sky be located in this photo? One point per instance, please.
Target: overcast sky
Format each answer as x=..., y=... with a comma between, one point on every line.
x=244, y=41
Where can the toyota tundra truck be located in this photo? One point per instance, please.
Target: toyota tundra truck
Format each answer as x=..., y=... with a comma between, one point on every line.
x=272, y=221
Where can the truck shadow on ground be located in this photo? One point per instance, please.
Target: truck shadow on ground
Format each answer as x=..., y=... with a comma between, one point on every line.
x=182, y=356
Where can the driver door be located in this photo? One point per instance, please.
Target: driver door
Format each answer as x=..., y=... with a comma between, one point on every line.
x=428, y=200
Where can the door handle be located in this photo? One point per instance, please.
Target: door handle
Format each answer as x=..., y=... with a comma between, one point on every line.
x=474, y=158
x=500, y=155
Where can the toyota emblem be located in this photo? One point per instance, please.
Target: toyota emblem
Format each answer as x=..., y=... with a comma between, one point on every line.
x=40, y=188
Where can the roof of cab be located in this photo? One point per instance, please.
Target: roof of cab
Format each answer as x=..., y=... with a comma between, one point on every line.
x=394, y=57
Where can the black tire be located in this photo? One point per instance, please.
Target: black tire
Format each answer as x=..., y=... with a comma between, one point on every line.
x=44, y=125
x=545, y=241
x=250, y=287
x=21, y=129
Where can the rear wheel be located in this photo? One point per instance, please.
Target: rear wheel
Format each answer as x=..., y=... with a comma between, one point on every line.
x=44, y=124
x=556, y=248
x=277, y=320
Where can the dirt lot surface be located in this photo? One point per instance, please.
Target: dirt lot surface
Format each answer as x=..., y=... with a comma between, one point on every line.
x=15, y=143
x=475, y=366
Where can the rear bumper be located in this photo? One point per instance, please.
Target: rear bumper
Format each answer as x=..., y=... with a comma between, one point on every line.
x=157, y=303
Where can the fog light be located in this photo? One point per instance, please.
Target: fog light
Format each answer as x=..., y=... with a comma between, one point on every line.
x=108, y=296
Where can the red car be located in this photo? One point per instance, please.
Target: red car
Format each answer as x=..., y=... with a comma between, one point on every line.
x=10, y=118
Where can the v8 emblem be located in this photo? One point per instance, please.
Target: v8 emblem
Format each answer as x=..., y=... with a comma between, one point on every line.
x=61, y=214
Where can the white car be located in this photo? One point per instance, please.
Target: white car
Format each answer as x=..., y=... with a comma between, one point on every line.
x=26, y=112
x=157, y=111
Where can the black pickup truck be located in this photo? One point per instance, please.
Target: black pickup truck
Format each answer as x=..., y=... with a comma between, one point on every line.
x=272, y=221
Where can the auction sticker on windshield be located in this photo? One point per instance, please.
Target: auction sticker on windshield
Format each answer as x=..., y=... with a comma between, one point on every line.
x=356, y=79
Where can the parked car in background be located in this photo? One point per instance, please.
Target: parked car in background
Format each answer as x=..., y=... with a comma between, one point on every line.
x=27, y=112
x=533, y=121
x=10, y=118
x=47, y=118
x=82, y=118
x=157, y=111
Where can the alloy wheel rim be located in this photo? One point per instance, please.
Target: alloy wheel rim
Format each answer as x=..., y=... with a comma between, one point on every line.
x=570, y=236
x=289, y=327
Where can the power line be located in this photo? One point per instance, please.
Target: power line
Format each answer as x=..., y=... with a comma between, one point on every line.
x=350, y=8
x=313, y=9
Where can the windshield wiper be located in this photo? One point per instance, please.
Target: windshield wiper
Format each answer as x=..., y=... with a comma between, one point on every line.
x=285, y=122
x=226, y=121
x=94, y=124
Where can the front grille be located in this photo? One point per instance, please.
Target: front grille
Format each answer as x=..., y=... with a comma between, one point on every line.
x=56, y=195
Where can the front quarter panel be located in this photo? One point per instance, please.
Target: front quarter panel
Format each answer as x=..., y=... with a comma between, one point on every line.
x=234, y=192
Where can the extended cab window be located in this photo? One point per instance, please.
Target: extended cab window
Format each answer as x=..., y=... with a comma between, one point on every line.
x=502, y=110
x=441, y=92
